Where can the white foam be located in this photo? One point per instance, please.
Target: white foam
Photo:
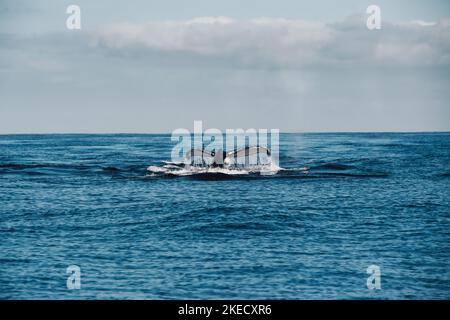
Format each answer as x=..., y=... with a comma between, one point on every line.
x=171, y=169
x=157, y=169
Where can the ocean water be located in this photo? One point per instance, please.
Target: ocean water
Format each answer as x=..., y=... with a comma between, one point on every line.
x=347, y=201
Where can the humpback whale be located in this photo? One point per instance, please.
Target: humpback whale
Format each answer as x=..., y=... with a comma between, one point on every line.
x=220, y=158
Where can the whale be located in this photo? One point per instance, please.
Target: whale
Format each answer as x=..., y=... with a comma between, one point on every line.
x=220, y=158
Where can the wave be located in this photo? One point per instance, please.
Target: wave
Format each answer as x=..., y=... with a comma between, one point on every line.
x=69, y=169
x=178, y=169
x=27, y=166
x=15, y=166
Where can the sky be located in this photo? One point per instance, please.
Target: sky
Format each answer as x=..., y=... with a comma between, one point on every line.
x=155, y=66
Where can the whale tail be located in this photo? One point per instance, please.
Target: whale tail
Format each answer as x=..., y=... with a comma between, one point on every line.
x=221, y=158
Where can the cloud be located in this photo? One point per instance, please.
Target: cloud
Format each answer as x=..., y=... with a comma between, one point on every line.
x=273, y=39
x=284, y=42
x=264, y=73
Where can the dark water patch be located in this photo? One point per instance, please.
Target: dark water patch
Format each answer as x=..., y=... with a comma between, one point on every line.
x=332, y=166
x=212, y=209
x=72, y=169
x=225, y=227
x=14, y=260
x=15, y=166
x=218, y=176
x=444, y=175
x=23, y=166
x=111, y=169
x=354, y=175
x=393, y=145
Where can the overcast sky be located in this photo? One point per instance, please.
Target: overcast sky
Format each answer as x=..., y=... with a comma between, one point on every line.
x=154, y=66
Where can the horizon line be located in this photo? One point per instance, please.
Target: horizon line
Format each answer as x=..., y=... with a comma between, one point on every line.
x=169, y=133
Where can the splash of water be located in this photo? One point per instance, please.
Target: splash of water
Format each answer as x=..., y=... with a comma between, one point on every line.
x=180, y=169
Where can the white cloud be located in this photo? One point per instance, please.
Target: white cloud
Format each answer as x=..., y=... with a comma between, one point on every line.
x=277, y=39
x=287, y=42
x=424, y=23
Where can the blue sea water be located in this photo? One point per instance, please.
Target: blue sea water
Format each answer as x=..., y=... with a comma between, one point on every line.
x=366, y=199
